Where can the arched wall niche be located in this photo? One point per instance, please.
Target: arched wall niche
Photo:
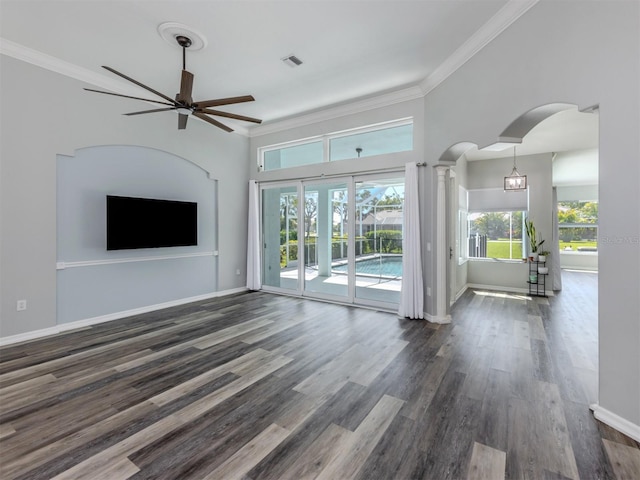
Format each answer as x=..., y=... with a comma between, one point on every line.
x=150, y=150
x=96, y=283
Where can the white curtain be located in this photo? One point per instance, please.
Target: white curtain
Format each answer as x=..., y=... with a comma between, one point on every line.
x=253, y=241
x=411, y=295
x=554, y=258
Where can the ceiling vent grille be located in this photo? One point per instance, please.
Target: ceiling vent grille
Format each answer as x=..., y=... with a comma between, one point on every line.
x=292, y=61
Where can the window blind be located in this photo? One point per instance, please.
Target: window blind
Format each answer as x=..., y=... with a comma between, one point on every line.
x=497, y=200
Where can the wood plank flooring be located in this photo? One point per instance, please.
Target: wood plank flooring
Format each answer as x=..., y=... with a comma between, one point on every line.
x=256, y=386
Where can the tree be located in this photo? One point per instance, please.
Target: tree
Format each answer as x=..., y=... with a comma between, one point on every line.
x=516, y=225
x=580, y=214
x=310, y=212
x=393, y=200
x=494, y=225
x=589, y=212
x=288, y=211
x=340, y=207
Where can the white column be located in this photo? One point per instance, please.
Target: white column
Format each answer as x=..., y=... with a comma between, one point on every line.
x=441, y=249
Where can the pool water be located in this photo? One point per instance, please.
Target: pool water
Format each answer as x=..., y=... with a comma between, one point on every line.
x=380, y=267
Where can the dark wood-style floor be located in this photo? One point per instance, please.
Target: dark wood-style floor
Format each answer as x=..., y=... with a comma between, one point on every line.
x=267, y=387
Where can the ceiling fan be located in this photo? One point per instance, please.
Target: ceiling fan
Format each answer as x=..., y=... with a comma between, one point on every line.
x=183, y=103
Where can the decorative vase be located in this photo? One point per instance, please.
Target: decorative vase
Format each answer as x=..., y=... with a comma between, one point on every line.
x=543, y=270
x=542, y=258
x=533, y=278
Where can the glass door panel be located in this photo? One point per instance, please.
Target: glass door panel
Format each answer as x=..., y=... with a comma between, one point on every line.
x=378, y=240
x=280, y=237
x=325, y=240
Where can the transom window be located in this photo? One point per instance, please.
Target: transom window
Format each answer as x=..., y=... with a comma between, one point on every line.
x=379, y=139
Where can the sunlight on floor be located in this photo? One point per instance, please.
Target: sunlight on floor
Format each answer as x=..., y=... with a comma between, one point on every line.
x=513, y=296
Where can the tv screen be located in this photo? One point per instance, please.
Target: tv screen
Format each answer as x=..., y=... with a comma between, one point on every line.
x=150, y=223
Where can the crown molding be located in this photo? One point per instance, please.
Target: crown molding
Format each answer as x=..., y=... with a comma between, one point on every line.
x=54, y=64
x=358, y=106
x=508, y=14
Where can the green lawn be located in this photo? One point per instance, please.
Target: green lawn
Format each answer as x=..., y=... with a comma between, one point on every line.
x=581, y=243
x=500, y=249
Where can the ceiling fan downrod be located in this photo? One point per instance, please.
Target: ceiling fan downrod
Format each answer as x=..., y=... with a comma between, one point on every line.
x=184, y=42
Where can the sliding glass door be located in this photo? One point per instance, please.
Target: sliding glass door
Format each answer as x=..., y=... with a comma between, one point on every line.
x=338, y=240
x=280, y=237
x=326, y=240
x=378, y=248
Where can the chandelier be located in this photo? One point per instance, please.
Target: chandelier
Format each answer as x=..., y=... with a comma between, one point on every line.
x=515, y=182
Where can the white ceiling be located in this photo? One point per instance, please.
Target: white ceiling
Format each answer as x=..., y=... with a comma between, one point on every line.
x=351, y=49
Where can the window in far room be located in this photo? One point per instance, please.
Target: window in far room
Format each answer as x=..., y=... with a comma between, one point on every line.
x=578, y=226
x=496, y=235
x=495, y=224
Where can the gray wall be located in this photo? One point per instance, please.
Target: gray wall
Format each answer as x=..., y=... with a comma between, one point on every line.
x=92, y=281
x=461, y=269
x=585, y=53
x=45, y=114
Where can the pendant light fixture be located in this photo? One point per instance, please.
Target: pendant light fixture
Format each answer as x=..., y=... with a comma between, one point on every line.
x=515, y=182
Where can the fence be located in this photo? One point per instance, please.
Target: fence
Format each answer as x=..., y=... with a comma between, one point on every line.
x=478, y=245
x=339, y=249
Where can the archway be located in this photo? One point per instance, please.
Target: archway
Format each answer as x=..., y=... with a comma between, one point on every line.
x=531, y=135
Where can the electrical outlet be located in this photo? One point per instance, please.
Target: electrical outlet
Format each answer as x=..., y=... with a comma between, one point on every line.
x=21, y=305
x=428, y=291
x=237, y=271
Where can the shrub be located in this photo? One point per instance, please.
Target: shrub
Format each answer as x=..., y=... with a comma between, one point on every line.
x=388, y=241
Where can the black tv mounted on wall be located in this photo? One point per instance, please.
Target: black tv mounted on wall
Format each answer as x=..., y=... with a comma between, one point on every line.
x=150, y=223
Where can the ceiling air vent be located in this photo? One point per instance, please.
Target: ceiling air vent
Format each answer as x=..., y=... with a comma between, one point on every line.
x=292, y=61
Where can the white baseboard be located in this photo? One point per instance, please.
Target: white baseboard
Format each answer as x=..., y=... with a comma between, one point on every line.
x=459, y=294
x=63, y=327
x=443, y=320
x=615, y=421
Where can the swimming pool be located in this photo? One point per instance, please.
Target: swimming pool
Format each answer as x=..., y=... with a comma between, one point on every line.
x=382, y=266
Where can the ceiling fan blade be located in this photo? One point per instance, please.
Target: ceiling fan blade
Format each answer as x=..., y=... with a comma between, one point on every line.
x=182, y=121
x=202, y=116
x=223, y=101
x=140, y=84
x=220, y=113
x=186, y=85
x=128, y=96
x=150, y=111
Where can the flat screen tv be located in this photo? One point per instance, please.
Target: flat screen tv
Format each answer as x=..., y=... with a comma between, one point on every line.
x=150, y=223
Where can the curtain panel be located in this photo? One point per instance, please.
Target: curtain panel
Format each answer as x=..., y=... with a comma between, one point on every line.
x=254, y=273
x=412, y=293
